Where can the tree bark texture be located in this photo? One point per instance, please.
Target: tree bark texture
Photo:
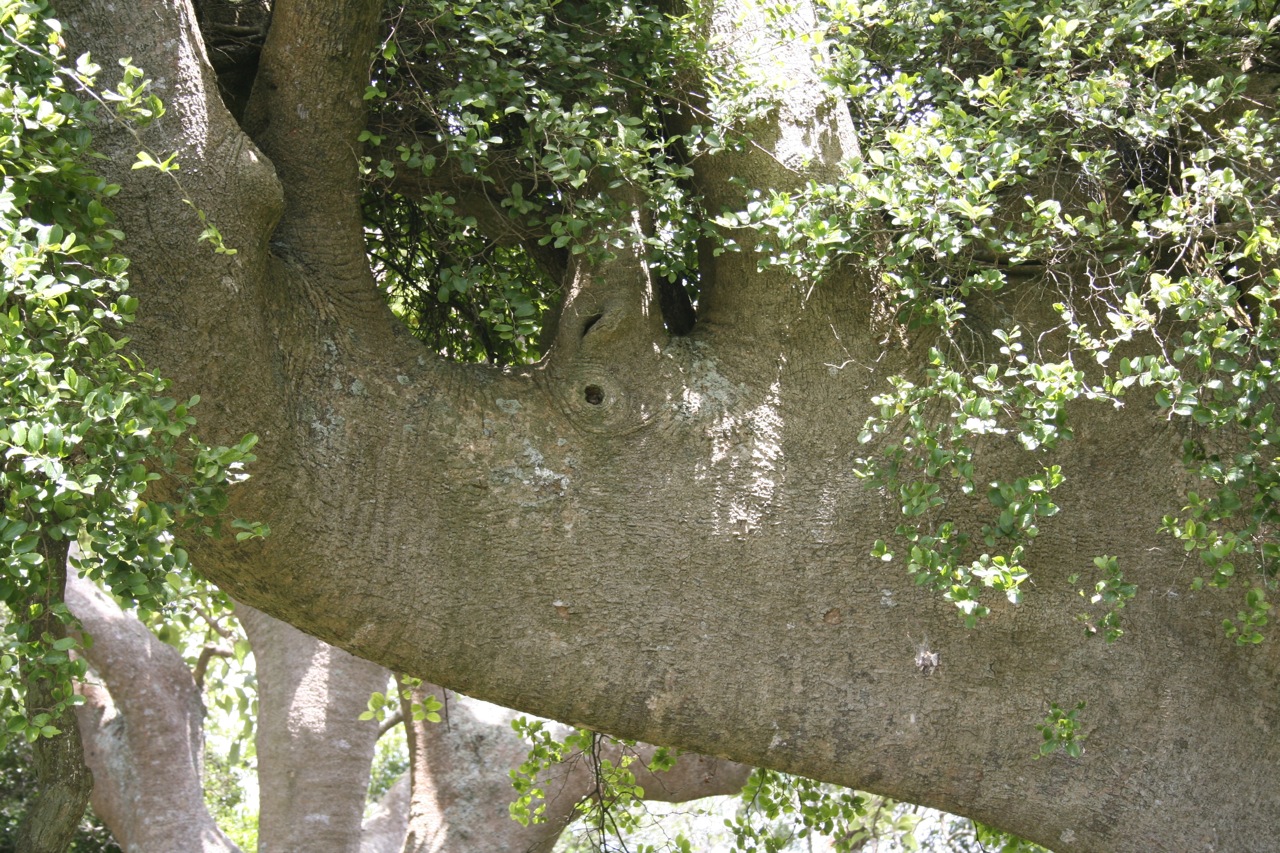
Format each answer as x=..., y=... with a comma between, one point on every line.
x=145, y=751
x=659, y=537
x=143, y=730
x=314, y=751
x=62, y=777
x=384, y=828
x=461, y=786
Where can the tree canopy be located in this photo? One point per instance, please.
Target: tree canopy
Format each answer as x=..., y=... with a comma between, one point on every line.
x=880, y=392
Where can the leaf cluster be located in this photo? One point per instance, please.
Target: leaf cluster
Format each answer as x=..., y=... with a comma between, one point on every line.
x=382, y=706
x=1115, y=160
x=87, y=432
x=507, y=138
x=1062, y=731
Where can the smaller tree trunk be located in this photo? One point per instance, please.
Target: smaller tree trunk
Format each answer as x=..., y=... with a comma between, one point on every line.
x=143, y=731
x=461, y=788
x=314, y=751
x=384, y=829
x=63, y=779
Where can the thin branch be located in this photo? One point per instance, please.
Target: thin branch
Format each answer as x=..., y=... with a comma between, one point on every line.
x=391, y=722
x=202, y=662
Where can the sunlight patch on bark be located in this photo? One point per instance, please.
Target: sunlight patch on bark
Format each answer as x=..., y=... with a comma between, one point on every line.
x=748, y=448
x=309, y=703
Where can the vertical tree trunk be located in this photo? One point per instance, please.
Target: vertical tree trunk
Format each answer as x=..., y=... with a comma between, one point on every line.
x=459, y=787
x=314, y=752
x=63, y=778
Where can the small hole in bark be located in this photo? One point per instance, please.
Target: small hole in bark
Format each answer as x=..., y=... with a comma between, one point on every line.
x=591, y=321
x=594, y=394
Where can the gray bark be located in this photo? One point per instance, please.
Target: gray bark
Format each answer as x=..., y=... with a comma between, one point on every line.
x=145, y=746
x=143, y=730
x=314, y=752
x=385, y=827
x=685, y=561
x=461, y=787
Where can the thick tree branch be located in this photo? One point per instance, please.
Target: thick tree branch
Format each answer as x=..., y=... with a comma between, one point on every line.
x=145, y=738
x=221, y=175
x=305, y=113
x=219, y=171
x=610, y=313
x=806, y=136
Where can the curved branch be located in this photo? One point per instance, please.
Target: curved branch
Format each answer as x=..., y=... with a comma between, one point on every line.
x=305, y=112
x=461, y=788
x=144, y=740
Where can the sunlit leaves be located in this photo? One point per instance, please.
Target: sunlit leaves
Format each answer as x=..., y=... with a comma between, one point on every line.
x=507, y=138
x=86, y=430
x=1133, y=178
x=816, y=809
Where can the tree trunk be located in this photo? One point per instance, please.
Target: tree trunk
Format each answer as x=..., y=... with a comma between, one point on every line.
x=461, y=786
x=143, y=730
x=314, y=752
x=663, y=538
x=63, y=779
x=384, y=829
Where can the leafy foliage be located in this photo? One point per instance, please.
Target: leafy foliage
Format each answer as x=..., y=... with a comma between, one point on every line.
x=616, y=784
x=87, y=431
x=481, y=193
x=1111, y=591
x=390, y=762
x=818, y=809
x=1115, y=160
x=992, y=840
x=614, y=810
x=775, y=812
x=224, y=796
x=469, y=297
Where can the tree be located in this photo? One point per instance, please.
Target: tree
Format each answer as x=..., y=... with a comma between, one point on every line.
x=984, y=289
x=143, y=728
